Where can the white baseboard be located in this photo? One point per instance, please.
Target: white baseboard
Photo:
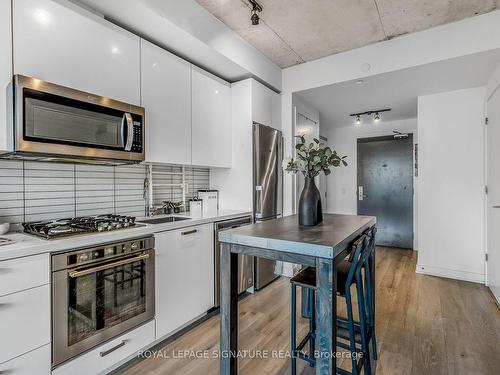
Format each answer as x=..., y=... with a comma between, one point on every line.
x=450, y=274
x=496, y=294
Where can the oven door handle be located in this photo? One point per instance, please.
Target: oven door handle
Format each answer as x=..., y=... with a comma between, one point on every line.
x=75, y=273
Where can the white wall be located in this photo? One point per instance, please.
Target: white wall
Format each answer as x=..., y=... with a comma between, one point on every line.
x=493, y=182
x=451, y=184
x=342, y=183
x=305, y=108
x=469, y=36
x=305, y=115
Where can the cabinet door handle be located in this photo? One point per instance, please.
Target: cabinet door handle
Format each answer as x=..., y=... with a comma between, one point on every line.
x=189, y=232
x=111, y=350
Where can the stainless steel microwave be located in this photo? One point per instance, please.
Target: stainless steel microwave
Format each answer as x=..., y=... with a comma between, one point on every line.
x=52, y=122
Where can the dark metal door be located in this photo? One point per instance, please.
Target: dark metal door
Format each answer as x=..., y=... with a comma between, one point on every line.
x=385, y=188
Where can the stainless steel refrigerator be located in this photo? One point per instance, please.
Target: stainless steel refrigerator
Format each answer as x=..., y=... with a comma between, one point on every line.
x=267, y=189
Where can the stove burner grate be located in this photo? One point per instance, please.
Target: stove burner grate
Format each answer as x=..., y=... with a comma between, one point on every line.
x=72, y=226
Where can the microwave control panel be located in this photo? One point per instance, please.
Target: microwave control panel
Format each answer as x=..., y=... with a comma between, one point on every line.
x=137, y=142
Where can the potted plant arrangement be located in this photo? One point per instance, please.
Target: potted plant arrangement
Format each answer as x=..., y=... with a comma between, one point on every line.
x=177, y=207
x=169, y=207
x=311, y=160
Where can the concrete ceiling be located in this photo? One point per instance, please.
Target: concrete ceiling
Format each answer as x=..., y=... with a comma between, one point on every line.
x=398, y=90
x=295, y=31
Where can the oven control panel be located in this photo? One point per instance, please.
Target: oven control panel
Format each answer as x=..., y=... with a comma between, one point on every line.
x=100, y=253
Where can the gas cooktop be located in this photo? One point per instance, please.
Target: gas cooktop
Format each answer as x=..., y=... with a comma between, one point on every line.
x=78, y=225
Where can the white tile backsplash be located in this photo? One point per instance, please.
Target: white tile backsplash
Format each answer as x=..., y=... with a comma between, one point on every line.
x=32, y=191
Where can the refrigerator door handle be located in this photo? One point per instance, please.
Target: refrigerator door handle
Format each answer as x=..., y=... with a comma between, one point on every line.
x=258, y=202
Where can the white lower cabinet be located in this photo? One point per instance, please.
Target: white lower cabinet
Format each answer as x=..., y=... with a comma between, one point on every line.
x=36, y=362
x=23, y=273
x=24, y=321
x=184, y=276
x=110, y=354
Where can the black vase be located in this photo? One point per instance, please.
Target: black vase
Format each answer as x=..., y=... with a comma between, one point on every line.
x=310, y=211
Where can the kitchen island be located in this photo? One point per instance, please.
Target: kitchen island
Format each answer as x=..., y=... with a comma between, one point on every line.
x=322, y=246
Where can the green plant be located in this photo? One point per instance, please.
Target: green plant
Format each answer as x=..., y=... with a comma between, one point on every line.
x=313, y=159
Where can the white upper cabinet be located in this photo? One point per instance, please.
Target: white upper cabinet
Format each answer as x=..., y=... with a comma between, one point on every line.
x=266, y=106
x=59, y=42
x=166, y=96
x=211, y=120
x=5, y=70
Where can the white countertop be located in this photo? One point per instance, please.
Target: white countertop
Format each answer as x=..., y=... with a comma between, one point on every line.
x=26, y=245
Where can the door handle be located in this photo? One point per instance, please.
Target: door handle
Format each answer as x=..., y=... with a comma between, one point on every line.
x=361, y=194
x=77, y=273
x=258, y=201
x=129, y=124
x=111, y=350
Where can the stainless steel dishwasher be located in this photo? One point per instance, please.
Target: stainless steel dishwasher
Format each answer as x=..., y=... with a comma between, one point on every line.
x=245, y=262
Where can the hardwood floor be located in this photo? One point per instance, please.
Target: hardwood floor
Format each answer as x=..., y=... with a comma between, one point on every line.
x=425, y=325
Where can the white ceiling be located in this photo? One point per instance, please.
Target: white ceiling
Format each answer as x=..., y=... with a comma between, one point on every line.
x=399, y=90
x=296, y=31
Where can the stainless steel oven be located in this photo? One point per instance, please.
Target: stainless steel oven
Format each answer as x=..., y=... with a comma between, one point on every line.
x=56, y=122
x=99, y=293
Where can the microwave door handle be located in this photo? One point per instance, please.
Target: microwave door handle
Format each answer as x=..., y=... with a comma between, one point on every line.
x=127, y=131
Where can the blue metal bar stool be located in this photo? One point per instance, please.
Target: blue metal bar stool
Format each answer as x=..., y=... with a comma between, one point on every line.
x=367, y=262
x=357, y=333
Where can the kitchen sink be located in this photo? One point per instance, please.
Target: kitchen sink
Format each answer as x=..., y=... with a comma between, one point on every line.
x=162, y=220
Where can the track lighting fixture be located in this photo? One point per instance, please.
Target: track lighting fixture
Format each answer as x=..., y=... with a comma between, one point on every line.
x=256, y=9
x=375, y=113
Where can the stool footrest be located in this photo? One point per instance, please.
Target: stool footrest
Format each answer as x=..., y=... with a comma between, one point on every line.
x=304, y=341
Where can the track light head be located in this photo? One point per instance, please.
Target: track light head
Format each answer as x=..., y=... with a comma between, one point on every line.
x=376, y=117
x=358, y=120
x=255, y=18
x=256, y=9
